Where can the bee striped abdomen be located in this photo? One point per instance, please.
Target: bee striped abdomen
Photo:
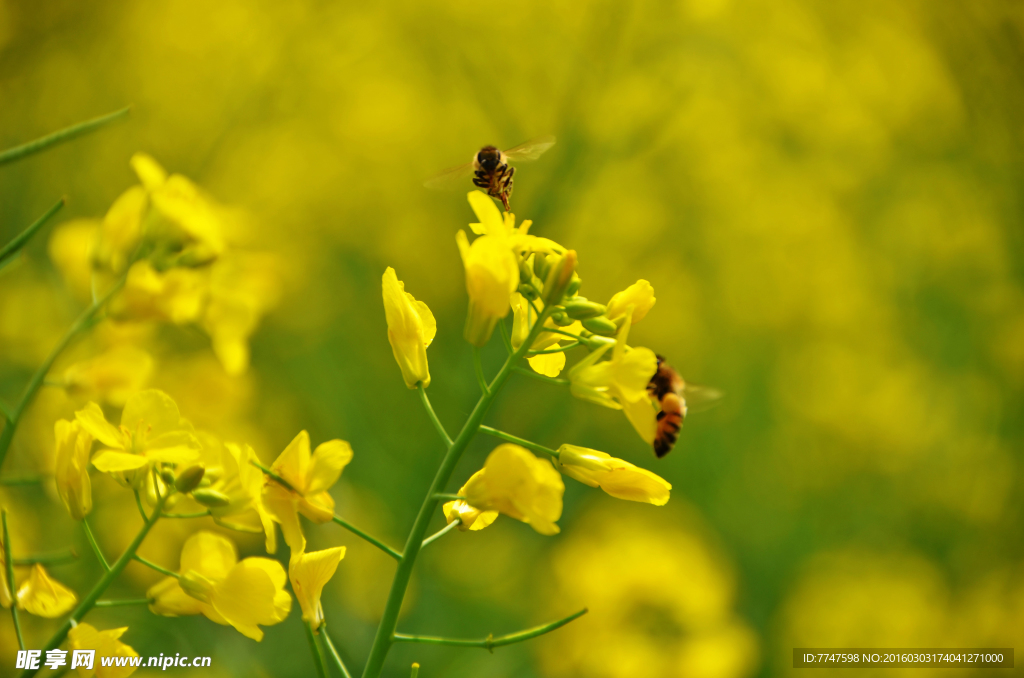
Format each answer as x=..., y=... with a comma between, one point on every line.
x=670, y=421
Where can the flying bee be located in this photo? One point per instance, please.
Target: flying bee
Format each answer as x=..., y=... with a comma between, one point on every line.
x=668, y=390
x=491, y=170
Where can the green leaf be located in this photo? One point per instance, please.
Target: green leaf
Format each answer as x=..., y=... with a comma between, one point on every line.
x=60, y=136
x=12, y=248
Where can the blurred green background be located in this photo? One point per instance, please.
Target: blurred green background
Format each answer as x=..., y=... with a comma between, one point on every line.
x=825, y=195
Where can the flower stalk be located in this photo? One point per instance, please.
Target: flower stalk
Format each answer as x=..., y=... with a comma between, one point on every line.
x=9, y=564
x=490, y=642
x=104, y=583
x=385, y=635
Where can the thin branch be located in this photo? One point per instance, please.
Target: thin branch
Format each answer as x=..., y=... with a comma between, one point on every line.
x=66, y=134
x=334, y=652
x=81, y=323
x=55, y=558
x=518, y=441
x=542, y=377
x=433, y=416
x=153, y=566
x=95, y=546
x=138, y=505
x=273, y=476
x=560, y=349
x=14, y=246
x=318, y=656
x=368, y=537
x=490, y=642
x=9, y=562
x=197, y=514
x=440, y=533
x=120, y=603
x=21, y=480
x=552, y=330
x=505, y=338
x=478, y=368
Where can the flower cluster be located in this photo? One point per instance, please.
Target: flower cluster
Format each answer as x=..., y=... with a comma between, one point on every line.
x=170, y=245
x=508, y=269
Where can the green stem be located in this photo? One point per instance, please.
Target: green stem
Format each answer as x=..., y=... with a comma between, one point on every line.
x=66, y=134
x=37, y=379
x=120, y=603
x=9, y=563
x=115, y=570
x=153, y=566
x=505, y=339
x=318, y=656
x=334, y=652
x=448, y=496
x=518, y=441
x=138, y=505
x=273, y=476
x=490, y=642
x=542, y=377
x=386, y=629
x=556, y=331
x=197, y=514
x=560, y=349
x=55, y=558
x=433, y=416
x=14, y=246
x=440, y=533
x=368, y=537
x=478, y=368
x=21, y=480
x=95, y=547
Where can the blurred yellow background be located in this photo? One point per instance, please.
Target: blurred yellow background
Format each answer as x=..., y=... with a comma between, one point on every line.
x=825, y=195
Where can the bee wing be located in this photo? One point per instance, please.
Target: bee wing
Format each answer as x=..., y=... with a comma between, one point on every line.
x=701, y=398
x=531, y=150
x=450, y=178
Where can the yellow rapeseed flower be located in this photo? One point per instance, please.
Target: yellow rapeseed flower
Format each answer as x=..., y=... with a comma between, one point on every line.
x=188, y=216
x=637, y=300
x=213, y=582
x=308, y=573
x=84, y=636
x=71, y=467
x=111, y=376
x=548, y=364
x=619, y=383
x=45, y=597
x=492, y=275
x=242, y=484
x=469, y=517
x=152, y=430
x=310, y=476
x=617, y=477
x=518, y=484
x=411, y=328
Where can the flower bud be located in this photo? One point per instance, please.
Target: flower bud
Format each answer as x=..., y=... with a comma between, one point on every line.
x=618, y=478
x=561, y=319
x=558, y=278
x=190, y=478
x=541, y=265
x=196, y=585
x=581, y=309
x=211, y=498
x=574, y=286
x=529, y=292
x=600, y=325
x=411, y=329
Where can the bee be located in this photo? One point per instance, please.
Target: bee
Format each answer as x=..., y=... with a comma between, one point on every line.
x=669, y=392
x=491, y=170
